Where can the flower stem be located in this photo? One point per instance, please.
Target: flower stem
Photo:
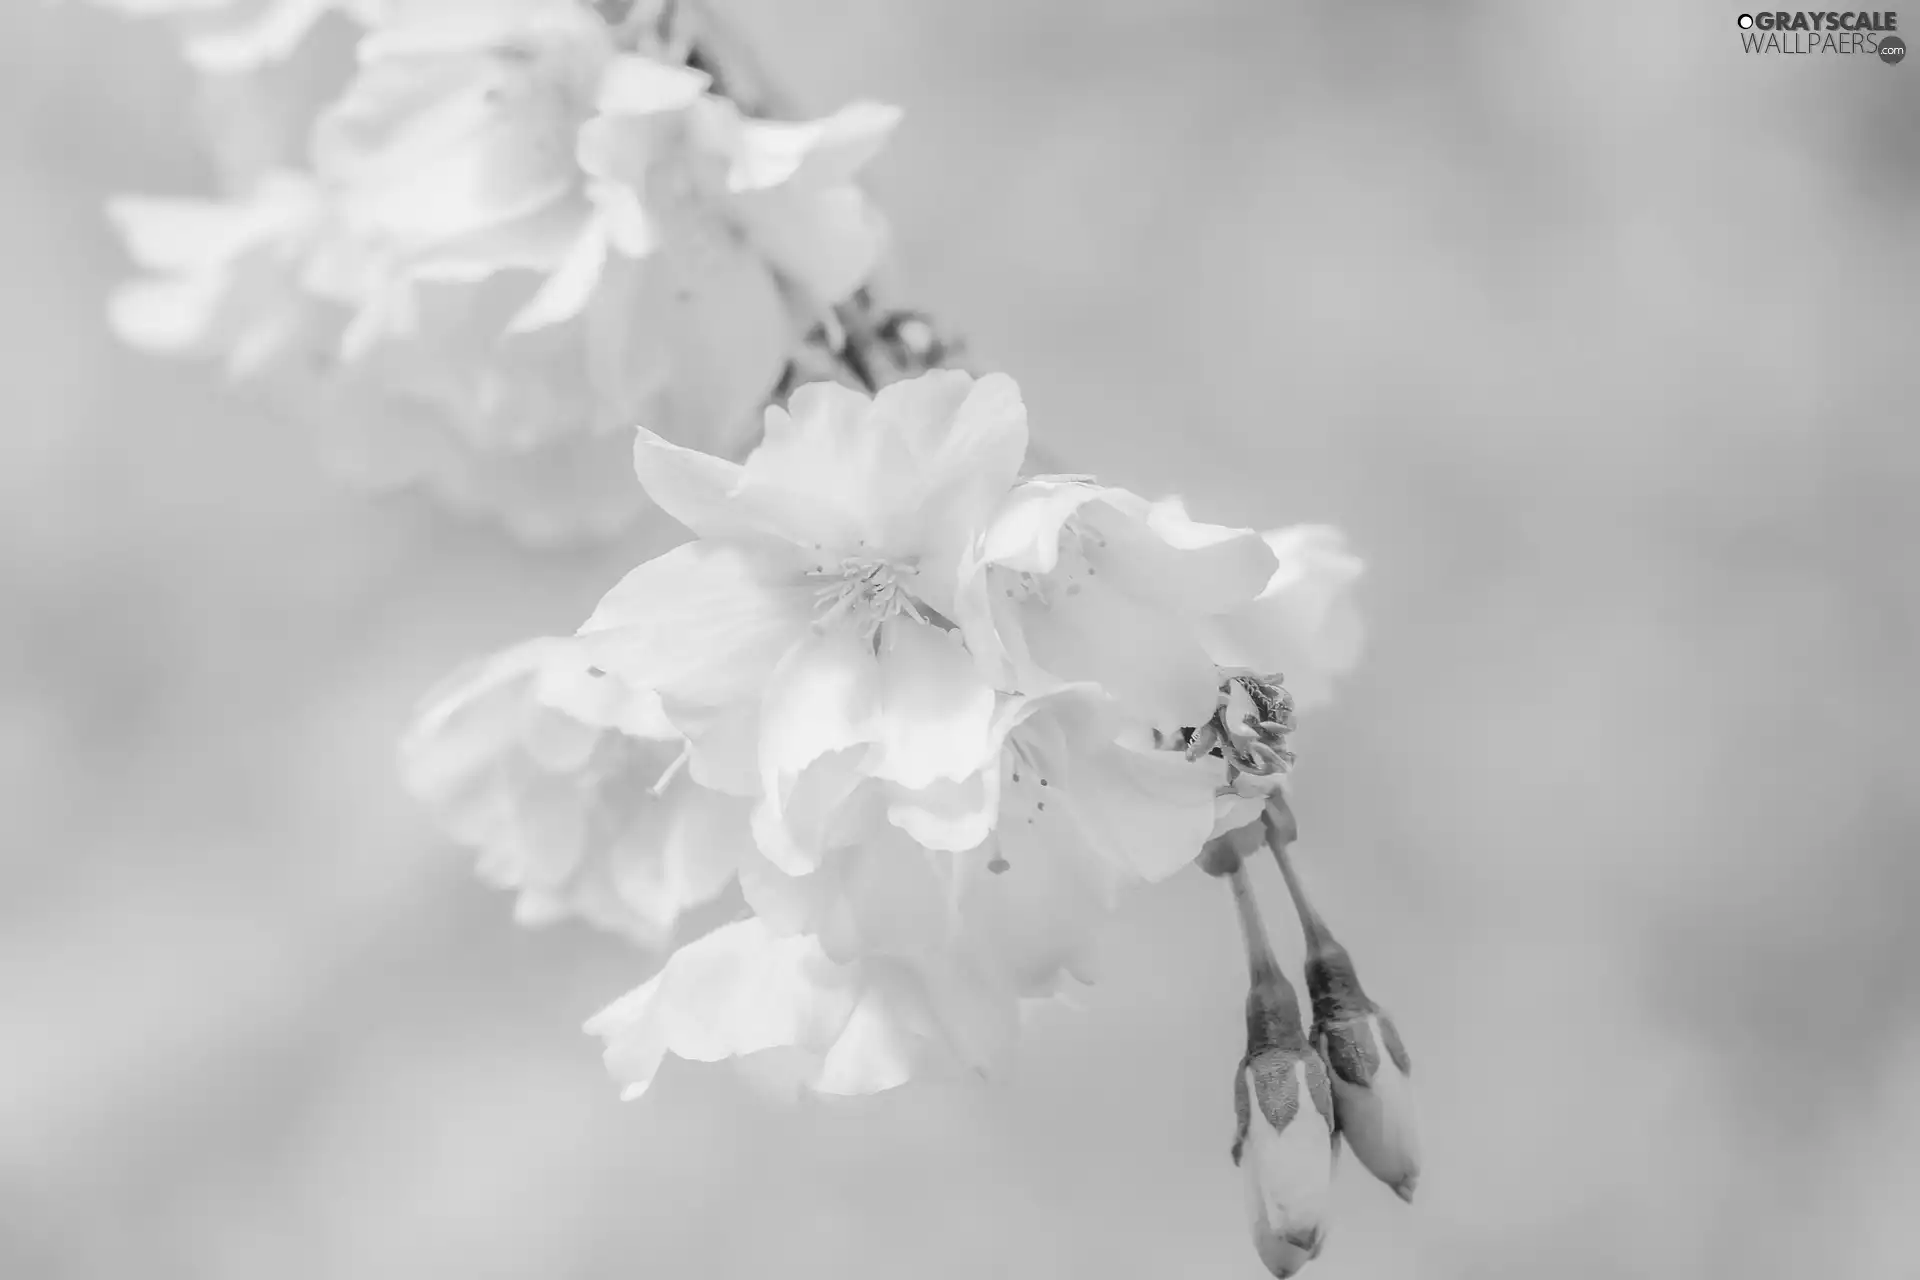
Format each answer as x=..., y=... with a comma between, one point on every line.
x=1273, y=1007
x=1261, y=965
x=1280, y=837
x=1333, y=983
x=868, y=342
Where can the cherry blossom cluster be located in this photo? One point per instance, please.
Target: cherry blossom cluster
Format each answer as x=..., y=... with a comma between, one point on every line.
x=867, y=759
x=924, y=717
x=491, y=236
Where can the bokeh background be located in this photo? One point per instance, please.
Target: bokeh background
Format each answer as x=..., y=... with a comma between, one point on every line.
x=1596, y=334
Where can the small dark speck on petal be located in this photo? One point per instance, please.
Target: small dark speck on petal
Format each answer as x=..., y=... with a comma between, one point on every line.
x=1043, y=782
x=595, y=672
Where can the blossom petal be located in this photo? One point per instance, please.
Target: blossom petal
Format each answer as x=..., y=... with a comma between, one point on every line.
x=890, y=899
x=978, y=1018
x=946, y=814
x=468, y=718
x=743, y=992
x=1034, y=919
x=723, y=745
x=954, y=816
x=820, y=703
x=936, y=712
x=824, y=697
x=1304, y=624
x=909, y=476
x=1155, y=551
x=426, y=149
x=522, y=757
x=632, y=85
x=564, y=293
x=1148, y=811
x=550, y=803
x=165, y=234
x=819, y=466
x=1143, y=811
x=1157, y=670
x=788, y=902
x=566, y=684
x=829, y=242
x=714, y=306
x=176, y=314
x=271, y=36
x=686, y=856
x=629, y=226
x=738, y=990
x=963, y=440
x=814, y=153
x=709, y=495
x=416, y=28
x=704, y=624
x=886, y=1043
x=1025, y=532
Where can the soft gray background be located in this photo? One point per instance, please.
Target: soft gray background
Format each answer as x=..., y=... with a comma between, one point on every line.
x=1597, y=334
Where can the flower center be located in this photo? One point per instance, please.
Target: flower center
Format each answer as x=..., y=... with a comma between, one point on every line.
x=864, y=593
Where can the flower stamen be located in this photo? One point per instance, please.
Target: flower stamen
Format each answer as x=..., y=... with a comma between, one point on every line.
x=869, y=592
x=672, y=771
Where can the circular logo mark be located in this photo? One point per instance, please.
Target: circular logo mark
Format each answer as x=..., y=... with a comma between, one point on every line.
x=1892, y=49
x=1746, y=22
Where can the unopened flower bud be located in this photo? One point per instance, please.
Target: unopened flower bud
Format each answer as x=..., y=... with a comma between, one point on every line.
x=1371, y=1073
x=1285, y=1143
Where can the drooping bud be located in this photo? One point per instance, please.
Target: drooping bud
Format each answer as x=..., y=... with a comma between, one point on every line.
x=1284, y=1141
x=1371, y=1073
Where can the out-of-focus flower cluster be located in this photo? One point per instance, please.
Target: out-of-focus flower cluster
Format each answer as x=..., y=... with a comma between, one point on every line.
x=924, y=717
x=476, y=241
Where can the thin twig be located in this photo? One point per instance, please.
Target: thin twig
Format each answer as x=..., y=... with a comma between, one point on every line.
x=867, y=341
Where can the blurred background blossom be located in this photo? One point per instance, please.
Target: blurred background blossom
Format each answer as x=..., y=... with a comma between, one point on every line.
x=1588, y=329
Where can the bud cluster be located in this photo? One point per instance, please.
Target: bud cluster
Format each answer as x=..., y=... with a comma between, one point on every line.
x=1350, y=1062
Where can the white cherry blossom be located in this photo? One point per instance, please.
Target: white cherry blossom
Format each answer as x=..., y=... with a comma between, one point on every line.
x=807, y=627
x=516, y=234
x=572, y=791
